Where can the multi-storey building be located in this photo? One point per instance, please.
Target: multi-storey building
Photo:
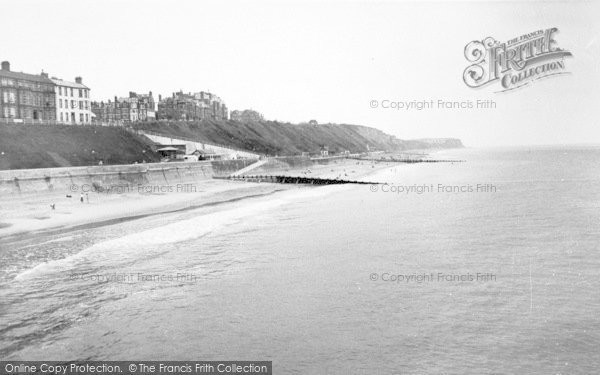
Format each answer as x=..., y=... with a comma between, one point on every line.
x=26, y=97
x=136, y=107
x=180, y=107
x=247, y=115
x=217, y=110
x=189, y=107
x=72, y=101
x=145, y=104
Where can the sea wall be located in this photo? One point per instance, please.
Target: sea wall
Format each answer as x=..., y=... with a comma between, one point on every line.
x=28, y=181
x=97, y=178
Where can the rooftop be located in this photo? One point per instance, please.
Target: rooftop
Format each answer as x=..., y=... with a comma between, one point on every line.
x=62, y=82
x=25, y=76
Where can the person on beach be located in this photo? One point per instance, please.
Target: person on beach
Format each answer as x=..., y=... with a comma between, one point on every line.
x=81, y=197
x=87, y=198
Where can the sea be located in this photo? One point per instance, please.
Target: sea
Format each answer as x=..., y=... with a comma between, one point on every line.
x=487, y=266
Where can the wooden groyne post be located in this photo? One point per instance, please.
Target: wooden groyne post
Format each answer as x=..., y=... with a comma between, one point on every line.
x=293, y=180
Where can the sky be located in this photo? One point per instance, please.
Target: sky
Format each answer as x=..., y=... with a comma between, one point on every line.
x=324, y=60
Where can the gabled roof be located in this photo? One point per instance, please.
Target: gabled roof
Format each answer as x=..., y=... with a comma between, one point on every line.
x=29, y=77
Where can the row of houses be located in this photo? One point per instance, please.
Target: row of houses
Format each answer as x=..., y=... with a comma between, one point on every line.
x=40, y=98
x=192, y=106
x=30, y=97
x=178, y=107
x=135, y=107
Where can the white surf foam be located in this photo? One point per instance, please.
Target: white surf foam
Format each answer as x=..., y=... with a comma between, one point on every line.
x=128, y=247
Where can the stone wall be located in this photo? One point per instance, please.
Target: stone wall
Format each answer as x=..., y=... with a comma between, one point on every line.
x=28, y=181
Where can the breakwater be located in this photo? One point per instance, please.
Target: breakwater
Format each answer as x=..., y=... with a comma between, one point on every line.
x=293, y=180
x=48, y=180
x=409, y=160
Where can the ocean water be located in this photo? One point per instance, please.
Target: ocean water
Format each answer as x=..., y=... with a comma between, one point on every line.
x=487, y=266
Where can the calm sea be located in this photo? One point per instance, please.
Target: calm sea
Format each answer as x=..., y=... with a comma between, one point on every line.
x=487, y=266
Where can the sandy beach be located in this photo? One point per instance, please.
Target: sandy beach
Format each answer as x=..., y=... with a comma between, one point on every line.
x=29, y=213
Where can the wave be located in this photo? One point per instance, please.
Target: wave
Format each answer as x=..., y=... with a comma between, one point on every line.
x=128, y=247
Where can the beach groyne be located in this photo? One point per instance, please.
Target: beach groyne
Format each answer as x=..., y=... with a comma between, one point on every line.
x=294, y=180
x=98, y=178
x=102, y=178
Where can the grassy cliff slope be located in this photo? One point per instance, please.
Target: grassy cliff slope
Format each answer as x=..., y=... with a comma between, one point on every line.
x=39, y=146
x=274, y=138
x=44, y=146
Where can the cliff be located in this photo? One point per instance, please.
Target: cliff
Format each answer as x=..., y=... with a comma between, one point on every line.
x=44, y=146
x=275, y=138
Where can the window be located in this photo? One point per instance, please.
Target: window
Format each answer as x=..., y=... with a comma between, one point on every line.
x=59, y=90
x=80, y=93
x=60, y=104
x=80, y=105
x=81, y=117
x=61, y=116
x=87, y=118
x=71, y=91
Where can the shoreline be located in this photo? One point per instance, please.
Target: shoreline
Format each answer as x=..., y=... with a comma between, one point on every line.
x=31, y=214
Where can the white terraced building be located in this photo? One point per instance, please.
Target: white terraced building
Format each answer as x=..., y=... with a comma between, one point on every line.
x=72, y=102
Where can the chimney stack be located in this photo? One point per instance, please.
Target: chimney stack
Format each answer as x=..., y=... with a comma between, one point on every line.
x=45, y=75
x=6, y=66
x=78, y=80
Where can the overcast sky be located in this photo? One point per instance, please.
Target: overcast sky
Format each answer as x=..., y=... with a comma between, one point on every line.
x=301, y=60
